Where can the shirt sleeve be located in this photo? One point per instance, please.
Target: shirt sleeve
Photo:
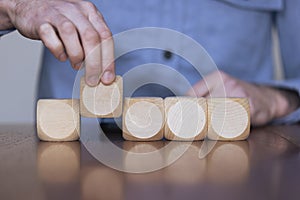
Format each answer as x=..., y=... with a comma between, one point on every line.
x=288, y=32
x=3, y=32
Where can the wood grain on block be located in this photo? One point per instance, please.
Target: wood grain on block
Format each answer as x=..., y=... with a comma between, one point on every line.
x=228, y=119
x=143, y=119
x=101, y=101
x=58, y=119
x=186, y=118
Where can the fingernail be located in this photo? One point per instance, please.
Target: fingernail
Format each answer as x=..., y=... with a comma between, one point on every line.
x=93, y=80
x=63, y=57
x=108, y=77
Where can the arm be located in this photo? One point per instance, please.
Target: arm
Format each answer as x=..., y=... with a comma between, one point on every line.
x=266, y=103
x=71, y=29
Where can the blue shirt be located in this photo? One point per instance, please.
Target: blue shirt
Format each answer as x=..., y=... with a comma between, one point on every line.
x=235, y=33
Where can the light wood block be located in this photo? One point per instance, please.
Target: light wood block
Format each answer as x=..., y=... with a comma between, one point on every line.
x=102, y=101
x=186, y=118
x=143, y=119
x=58, y=119
x=228, y=119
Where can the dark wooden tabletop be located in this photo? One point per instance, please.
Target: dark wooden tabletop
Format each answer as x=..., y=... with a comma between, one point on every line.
x=266, y=166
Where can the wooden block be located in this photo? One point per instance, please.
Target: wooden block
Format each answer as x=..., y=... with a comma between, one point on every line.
x=228, y=119
x=58, y=119
x=186, y=118
x=102, y=101
x=143, y=119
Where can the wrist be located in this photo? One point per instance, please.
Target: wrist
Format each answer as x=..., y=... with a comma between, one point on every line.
x=5, y=20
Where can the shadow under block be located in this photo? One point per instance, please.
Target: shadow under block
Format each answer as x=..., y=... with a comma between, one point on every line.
x=101, y=101
x=143, y=119
x=228, y=119
x=186, y=118
x=58, y=119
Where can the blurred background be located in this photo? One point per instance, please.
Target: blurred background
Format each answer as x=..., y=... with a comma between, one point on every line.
x=20, y=65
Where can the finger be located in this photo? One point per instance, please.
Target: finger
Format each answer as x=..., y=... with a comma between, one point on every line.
x=68, y=34
x=50, y=39
x=72, y=44
x=107, y=47
x=90, y=41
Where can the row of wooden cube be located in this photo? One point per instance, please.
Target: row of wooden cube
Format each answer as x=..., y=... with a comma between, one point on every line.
x=145, y=119
x=185, y=118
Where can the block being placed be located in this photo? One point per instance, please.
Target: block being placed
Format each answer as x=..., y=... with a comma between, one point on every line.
x=101, y=101
x=58, y=119
x=186, y=118
x=143, y=119
x=228, y=119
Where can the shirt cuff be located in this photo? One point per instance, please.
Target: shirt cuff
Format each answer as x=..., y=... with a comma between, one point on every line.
x=3, y=32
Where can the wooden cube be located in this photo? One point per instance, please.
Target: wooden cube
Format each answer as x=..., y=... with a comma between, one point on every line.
x=228, y=119
x=101, y=101
x=143, y=119
x=58, y=119
x=186, y=118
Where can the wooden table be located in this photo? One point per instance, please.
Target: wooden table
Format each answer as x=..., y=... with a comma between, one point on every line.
x=266, y=166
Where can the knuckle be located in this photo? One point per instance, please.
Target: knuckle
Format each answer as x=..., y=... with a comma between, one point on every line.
x=90, y=36
x=67, y=27
x=105, y=33
x=89, y=6
x=44, y=29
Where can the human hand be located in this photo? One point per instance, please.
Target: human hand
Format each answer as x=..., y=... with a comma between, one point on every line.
x=266, y=103
x=70, y=29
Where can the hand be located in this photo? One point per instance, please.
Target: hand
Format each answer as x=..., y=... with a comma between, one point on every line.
x=266, y=103
x=70, y=29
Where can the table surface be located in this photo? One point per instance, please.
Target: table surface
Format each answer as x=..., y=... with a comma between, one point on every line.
x=266, y=166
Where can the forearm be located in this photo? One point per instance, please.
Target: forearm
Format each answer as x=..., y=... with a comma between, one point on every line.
x=5, y=21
